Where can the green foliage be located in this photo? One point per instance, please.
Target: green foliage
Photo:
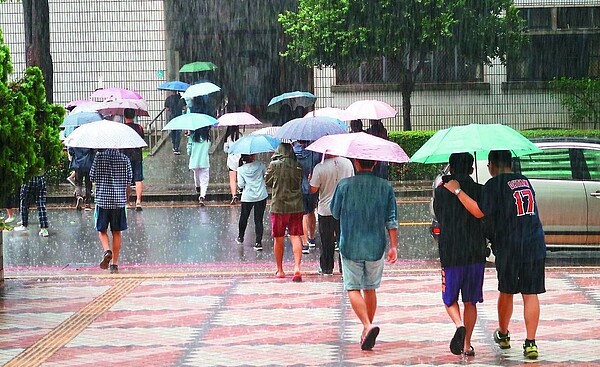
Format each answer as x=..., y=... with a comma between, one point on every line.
x=411, y=141
x=581, y=97
x=29, y=127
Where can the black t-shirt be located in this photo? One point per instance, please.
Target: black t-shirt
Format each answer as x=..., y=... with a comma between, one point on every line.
x=175, y=104
x=462, y=240
x=135, y=154
x=509, y=203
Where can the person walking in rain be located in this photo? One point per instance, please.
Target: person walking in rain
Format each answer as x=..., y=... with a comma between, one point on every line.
x=197, y=148
x=136, y=159
x=307, y=160
x=175, y=105
x=251, y=179
x=232, y=134
x=284, y=177
x=508, y=203
x=112, y=173
x=462, y=250
x=365, y=205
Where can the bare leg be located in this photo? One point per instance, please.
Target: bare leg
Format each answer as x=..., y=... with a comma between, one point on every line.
x=454, y=312
x=128, y=194
x=10, y=213
x=371, y=300
x=117, y=239
x=278, y=252
x=233, y=183
x=297, y=249
x=139, y=187
x=103, y=235
x=470, y=318
x=531, y=313
x=359, y=306
x=505, y=310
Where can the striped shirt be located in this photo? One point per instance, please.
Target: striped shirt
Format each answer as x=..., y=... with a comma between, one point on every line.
x=111, y=171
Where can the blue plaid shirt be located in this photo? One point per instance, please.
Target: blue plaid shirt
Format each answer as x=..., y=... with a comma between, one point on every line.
x=111, y=171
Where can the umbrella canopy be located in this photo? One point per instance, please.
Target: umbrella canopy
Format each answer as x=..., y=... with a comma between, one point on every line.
x=115, y=93
x=174, y=85
x=80, y=118
x=201, y=89
x=253, y=144
x=310, y=128
x=190, y=121
x=370, y=110
x=293, y=99
x=117, y=107
x=237, y=119
x=197, y=66
x=336, y=113
x=86, y=106
x=360, y=145
x=478, y=139
x=104, y=134
x=71, y=105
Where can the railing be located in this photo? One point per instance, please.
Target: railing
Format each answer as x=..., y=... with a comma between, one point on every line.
x=154, y=132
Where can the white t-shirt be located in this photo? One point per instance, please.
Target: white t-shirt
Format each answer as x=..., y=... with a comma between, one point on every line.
x=326, y=176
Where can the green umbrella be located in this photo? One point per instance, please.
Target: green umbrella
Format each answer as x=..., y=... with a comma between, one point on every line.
x=478, y=139
x=197, y=66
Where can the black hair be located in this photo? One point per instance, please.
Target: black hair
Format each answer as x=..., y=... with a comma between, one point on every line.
x=233, y=131
x=366, y=163
x=356, y=126
x=129, y=113
x=461, y=163
x=246, y=158
x=201, y=134
x=501, y=158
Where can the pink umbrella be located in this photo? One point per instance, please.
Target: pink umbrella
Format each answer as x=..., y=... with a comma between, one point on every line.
x=71, y=105
x=370, y=110
x=115, y=93
x=237, y=119
x=117, y=107
x=336, y=113
x=361, y=146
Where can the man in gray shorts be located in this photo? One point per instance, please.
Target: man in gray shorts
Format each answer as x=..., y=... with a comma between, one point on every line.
x=365, y=205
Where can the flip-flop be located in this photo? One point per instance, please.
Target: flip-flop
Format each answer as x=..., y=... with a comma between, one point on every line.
x=470, y=352
x=279, y=275
x=368, y=342
x=297, y=277
x=458, y=340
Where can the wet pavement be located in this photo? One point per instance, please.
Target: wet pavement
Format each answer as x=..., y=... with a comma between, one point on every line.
x=188, y=295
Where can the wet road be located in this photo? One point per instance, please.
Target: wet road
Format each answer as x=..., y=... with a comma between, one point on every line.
x=187, y=234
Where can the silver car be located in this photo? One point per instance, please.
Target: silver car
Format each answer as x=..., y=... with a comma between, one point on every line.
x=566, y=180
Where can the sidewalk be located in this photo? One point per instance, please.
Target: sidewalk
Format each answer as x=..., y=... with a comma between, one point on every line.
x=244, y=316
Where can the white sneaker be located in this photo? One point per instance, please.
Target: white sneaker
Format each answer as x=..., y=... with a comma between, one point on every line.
x=44, y=232
x=9, y=220
x=71, y=179
x=20, y=228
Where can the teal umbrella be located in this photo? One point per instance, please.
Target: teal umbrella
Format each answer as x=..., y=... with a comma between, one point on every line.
x=197, y=66
x=293, y=99
x=478, y=139
x=190, y=121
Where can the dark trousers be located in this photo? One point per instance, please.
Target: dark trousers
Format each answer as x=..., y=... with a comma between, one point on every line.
x=34, y=189
x=176, y=139
x=329, y=229
x=259, y=213
x=80, y=176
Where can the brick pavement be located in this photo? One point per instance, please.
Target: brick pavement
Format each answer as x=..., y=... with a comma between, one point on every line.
x=243, y=316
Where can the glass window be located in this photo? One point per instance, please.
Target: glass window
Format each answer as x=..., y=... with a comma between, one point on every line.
x=574, y=18
x=552, y=164
x=537, y=18
x=592, y=160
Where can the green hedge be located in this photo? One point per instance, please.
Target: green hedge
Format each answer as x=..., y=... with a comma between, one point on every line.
x=411, y=141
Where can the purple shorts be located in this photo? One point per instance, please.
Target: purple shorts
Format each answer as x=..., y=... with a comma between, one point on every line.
x=464, y=279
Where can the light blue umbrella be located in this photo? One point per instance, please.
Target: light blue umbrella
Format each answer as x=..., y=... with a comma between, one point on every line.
x=201, y=89
x=80, y=118
x=293, y=99
x=311, y=128
x=190, y=121
x=253, y=144
x=174, y=85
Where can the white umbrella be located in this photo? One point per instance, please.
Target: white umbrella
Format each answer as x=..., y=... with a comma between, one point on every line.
x=237, y=119
x=370, y=110
x=104, y=134
x=269, y=130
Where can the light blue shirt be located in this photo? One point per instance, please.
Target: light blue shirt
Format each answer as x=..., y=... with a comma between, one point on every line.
x=365, y=205
x=251, y=178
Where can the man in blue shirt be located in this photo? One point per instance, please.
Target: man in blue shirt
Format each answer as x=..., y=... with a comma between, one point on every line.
x=111, y=171
x=365, y=205
x=517, y=241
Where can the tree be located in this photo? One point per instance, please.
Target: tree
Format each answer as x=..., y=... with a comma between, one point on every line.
x=36, y=15
x=581, y=97
x=337, y=32
x=29, y=126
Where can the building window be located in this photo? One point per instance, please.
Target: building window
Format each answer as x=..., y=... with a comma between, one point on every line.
x=442, y=66
x=537, y=18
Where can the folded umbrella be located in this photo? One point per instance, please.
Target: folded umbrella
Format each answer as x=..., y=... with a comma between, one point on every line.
x=174, y=85
x=360, y=145
x=190, y=121
x=200, y=89
x=370, y=110
x=237, y=119
x=311, y=128
x=254, y=144
x=104, y=134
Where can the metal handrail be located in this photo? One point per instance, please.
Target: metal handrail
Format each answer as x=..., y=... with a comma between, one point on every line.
x=154, y=132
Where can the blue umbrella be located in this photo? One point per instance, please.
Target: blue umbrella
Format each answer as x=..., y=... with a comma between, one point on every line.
x=293, y=99
x=253, y=144
x=80, y=118
x=311, y=128
x=190, y=121
x=174, y=85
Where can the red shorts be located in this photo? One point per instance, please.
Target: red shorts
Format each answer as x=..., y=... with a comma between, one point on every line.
x=291, y=221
